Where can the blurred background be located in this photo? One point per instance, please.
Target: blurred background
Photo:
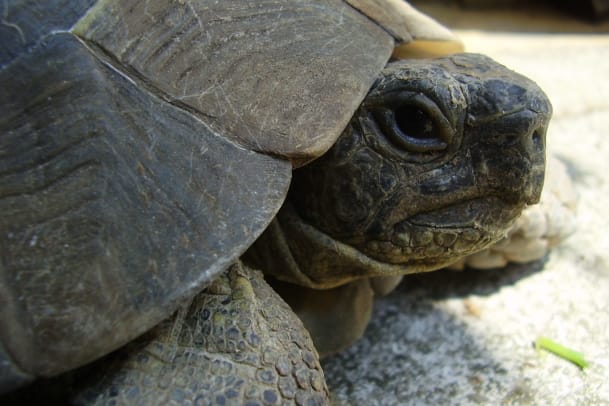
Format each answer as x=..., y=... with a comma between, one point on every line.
x=467, y=337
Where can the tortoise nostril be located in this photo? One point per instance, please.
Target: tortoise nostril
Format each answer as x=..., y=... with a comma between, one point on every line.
x=538, y=139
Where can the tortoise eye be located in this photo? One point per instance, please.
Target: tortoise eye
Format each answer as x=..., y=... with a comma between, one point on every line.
x=415, y=130
x=415, y=125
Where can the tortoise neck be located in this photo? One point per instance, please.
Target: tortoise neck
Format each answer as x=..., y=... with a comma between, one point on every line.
x=293, y=251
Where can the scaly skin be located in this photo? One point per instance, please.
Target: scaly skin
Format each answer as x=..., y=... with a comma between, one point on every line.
x=236, y=343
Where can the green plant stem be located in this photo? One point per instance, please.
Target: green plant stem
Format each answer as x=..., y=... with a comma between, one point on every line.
x=549, y=345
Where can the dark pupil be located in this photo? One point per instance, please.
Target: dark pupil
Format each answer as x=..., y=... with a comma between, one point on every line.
x=414, y=123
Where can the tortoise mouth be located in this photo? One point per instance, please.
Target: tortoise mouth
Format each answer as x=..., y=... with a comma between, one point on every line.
x=486, y=213
x=443, y=235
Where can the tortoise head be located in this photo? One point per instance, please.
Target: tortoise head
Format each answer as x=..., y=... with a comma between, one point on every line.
x=437, y=163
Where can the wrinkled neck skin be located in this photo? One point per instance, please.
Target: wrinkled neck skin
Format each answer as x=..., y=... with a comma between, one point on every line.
x=436, y=164
x=294, y=251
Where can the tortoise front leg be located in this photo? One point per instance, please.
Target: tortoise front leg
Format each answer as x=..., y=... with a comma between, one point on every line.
x=236, y=343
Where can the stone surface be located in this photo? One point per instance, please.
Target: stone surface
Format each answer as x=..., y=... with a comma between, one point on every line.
x=466, y=337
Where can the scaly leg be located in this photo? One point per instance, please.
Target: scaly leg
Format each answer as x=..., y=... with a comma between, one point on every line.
x=236, y=343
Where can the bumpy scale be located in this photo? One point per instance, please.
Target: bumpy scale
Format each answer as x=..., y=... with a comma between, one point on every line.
x=235, y=343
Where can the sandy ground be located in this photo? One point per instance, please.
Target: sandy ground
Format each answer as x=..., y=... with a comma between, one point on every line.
x=466, y=337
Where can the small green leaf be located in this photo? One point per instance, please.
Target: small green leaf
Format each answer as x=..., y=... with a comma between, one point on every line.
x=575, y=357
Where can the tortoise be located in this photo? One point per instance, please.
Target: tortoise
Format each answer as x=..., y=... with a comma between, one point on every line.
x=146, y=146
